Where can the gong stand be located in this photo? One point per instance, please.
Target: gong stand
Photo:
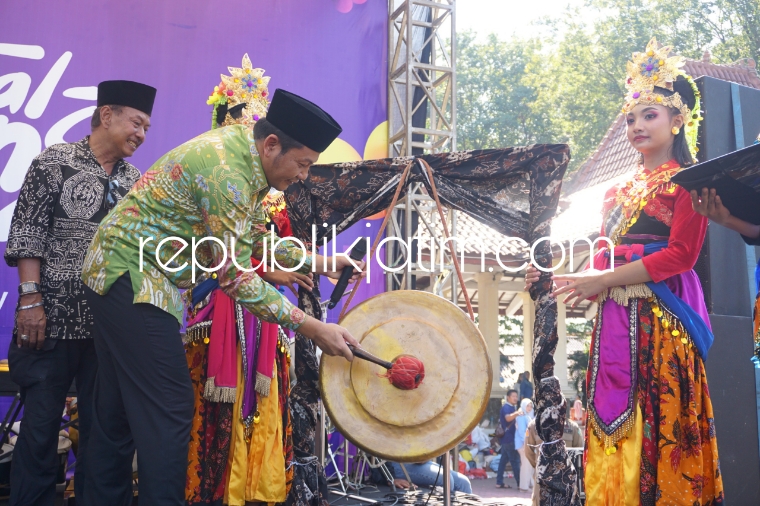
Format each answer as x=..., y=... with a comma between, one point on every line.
x=430, y=183
x=325, y=444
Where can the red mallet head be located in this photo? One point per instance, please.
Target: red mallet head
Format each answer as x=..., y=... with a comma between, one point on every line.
x=406, y=373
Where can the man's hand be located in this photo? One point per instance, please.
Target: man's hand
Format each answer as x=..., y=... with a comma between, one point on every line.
x=402, y=484
x=340, y=263
x=710, y=205
x=289, y=279
x=330, y=338
x=31, y=323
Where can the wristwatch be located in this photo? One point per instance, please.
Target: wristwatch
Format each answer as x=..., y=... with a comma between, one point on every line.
x=28, y=288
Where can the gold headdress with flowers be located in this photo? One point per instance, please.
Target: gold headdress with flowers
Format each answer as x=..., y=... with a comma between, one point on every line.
x=246, y=85
x=657, y=68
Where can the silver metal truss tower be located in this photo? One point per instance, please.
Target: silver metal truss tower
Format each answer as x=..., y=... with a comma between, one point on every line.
x=422, y=119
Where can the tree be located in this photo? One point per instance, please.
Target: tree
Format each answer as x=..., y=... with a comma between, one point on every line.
x=568, y=87
x=494, y=102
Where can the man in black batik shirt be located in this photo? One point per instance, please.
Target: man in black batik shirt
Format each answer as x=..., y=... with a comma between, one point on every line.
x=68, y=190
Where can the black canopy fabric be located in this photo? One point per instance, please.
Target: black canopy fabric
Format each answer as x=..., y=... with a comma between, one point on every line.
x=734, y=176
x=515, y=191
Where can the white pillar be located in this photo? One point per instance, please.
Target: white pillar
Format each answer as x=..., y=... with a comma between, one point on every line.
x=488, y=318
x=529, y=316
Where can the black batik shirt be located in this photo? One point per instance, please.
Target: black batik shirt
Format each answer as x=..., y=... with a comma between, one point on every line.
x=62, y=201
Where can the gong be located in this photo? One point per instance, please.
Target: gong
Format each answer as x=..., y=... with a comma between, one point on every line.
x=409, y=425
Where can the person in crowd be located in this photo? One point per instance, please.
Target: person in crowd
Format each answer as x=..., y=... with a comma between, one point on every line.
x=526, y=387
x=577, y=413
x=518, y=383
x=427, y=474
x=206, y=193
x=650, y=431
x=509, y=411
x=68, y=190
x=521, y=428
x=572, y=436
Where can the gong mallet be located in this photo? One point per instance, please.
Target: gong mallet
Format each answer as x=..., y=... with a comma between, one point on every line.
x=405, y=372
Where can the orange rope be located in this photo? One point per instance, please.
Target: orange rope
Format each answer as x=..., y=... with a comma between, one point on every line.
x=446, y=232
x=380, y=232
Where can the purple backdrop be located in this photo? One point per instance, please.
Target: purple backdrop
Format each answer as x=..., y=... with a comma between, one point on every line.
x=53, y=54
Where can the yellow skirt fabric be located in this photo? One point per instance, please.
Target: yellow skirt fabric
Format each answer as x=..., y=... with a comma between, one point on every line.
x=614, y=479
x=257, y=468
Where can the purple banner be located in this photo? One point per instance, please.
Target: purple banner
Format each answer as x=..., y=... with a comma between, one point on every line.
x=53, y=54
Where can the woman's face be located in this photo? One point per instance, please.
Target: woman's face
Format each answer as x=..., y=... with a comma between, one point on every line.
x=529, y=407
x=650, y=128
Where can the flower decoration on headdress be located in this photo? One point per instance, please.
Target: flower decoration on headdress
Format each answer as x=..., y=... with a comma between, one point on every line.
x=656, y=68
x=246, y=85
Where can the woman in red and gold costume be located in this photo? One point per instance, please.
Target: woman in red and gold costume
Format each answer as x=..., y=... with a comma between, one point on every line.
x=240, y=449
x=650, y=437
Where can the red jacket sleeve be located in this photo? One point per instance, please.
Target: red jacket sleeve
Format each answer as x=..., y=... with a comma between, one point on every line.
x=687, y=233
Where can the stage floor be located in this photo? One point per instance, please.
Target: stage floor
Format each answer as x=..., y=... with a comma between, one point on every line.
x=484, y=492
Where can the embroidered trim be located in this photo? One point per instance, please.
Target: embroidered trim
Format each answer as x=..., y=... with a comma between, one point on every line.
x=621, y=427
x=659, y=211
x=248, y=421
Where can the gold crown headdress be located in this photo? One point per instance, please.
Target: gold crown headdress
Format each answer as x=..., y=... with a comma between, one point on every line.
x=246, y=85
x=656, y=68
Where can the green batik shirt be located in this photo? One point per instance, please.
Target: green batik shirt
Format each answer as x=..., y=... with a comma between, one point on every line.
x=211, y=186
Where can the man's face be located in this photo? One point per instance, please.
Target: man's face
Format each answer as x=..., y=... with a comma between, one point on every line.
x=282, y=170
x=512, y=398
x=126, y=129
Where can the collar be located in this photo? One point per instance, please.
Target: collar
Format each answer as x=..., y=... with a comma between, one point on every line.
x=85, y=151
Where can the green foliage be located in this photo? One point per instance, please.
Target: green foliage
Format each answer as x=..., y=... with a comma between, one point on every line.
x=568, y=87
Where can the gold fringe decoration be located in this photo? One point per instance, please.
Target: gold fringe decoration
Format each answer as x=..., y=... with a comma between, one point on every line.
x=623, y=294
x=609, y=442
x=213, y=393
x=263, y=384
x=197, y=334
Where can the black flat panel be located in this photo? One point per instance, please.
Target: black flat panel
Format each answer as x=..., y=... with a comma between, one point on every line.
x=731, y=378
x=722, y=267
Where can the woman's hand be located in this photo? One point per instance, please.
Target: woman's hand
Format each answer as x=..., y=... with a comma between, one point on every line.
x=710, y=205
x=289, y=279
x=580, y=286
x=532, y=275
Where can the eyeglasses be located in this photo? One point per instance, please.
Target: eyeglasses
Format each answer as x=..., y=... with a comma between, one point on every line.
x=112, y=194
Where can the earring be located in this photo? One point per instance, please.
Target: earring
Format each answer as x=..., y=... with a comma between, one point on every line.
x=675, y=130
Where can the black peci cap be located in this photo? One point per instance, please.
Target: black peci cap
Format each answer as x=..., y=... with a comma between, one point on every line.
x=127, y=93
x=302, y=120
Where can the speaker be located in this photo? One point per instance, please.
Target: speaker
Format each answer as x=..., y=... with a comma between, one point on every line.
x=722, y=268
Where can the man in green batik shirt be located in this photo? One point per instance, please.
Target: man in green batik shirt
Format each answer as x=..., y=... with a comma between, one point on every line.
x=208, y=189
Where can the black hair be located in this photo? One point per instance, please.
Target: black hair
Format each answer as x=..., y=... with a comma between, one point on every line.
x=511, y=391
x=95, y=121
x=263, y=129
x=680, y=149
x=235, y=112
